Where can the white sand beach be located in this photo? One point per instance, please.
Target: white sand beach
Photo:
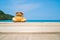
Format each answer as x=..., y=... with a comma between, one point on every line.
x=30, y=31
x=30, y=27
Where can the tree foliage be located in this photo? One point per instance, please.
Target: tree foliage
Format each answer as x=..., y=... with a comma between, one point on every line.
x=5, y=16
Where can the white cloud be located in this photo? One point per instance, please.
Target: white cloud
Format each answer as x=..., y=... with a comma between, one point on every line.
x=26, y=7
x=21, y=5
x=18, y=1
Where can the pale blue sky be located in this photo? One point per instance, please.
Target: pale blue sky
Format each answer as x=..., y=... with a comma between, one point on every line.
x=33, y=9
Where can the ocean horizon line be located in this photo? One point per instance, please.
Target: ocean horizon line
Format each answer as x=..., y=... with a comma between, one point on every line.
x=33, y=21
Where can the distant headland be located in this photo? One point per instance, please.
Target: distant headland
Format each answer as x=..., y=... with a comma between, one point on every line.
x=4, y=16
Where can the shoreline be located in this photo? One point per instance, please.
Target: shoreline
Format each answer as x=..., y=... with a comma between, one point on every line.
x=30, y=23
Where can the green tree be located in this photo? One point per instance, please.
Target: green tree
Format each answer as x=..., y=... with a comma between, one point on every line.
x=5, y=16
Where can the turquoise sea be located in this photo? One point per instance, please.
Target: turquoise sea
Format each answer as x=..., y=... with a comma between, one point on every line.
x=33, y=21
